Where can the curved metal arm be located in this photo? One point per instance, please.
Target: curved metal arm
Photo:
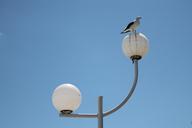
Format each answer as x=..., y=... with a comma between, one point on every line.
x=129, y=94
x=115, y=108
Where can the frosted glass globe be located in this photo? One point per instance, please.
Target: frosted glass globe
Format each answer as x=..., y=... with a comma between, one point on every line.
x=66, y=98
x=135, y=45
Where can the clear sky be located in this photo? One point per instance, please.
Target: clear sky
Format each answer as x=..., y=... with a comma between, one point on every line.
x=44, y=43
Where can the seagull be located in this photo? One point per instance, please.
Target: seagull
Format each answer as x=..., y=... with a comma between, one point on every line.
x=131, y=27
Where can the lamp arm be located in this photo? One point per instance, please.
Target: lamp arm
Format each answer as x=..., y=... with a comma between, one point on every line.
x=115, y=108
x=79, y=115
x=135, y=61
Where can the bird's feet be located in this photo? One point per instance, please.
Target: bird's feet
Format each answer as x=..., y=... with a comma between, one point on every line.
x=135, y=35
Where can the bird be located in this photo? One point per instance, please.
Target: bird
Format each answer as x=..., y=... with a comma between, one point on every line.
x=131, y=27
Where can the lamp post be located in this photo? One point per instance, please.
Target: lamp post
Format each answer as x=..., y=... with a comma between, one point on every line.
x=66, y=98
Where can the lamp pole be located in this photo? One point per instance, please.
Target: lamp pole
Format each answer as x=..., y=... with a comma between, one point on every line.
x=102, y=114
x=134, y=47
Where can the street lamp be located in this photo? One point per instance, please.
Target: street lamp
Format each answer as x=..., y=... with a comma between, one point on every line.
x=66, y=98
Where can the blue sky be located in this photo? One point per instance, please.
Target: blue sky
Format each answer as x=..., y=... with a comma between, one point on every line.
x=44, y=43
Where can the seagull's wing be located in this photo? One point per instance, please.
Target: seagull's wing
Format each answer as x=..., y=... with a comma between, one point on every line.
x=129, y=25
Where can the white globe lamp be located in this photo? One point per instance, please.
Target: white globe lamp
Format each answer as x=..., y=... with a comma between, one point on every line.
x=66, y=98
x=135, y=46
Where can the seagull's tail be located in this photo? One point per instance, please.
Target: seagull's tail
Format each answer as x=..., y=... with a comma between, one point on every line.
x=124, y=32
